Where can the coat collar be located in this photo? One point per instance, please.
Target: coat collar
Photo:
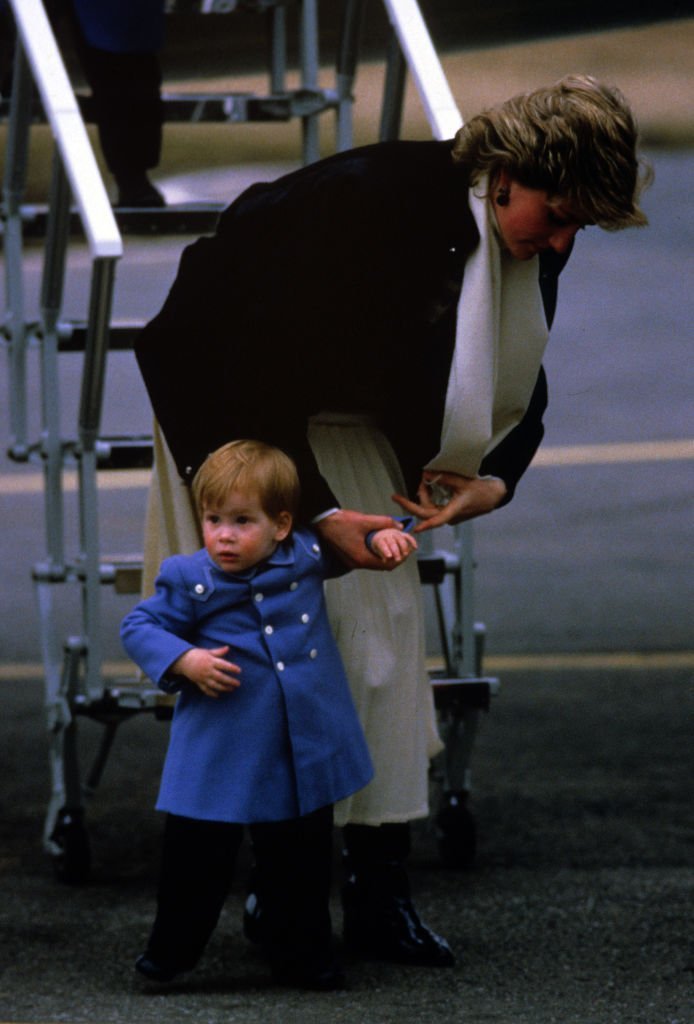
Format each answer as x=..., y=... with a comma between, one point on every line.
x=284, y=555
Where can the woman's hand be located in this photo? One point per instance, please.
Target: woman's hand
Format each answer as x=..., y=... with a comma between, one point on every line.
x=346, y=530
x=469, y=497
x=208, y=670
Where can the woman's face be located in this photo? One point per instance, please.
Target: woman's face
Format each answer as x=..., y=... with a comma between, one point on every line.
x=528, y=223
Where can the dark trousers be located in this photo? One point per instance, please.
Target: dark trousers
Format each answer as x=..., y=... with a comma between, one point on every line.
x=293, y=863
x=126, y=88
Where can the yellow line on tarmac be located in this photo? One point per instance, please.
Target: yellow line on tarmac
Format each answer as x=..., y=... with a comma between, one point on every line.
x=601, y=454
x=21, y=671
x=589, y=662
x=111, y=480
x=12, y=484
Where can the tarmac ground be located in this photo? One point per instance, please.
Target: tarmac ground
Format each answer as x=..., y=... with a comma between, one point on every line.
x=578, y=910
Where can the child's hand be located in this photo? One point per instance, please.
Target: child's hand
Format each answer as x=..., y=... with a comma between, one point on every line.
x=209, y=670
x=393, y=546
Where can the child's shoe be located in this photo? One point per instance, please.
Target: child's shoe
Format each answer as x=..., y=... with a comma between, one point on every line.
x=153, y=971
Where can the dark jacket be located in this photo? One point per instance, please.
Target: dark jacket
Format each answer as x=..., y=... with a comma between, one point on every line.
x=334, y=287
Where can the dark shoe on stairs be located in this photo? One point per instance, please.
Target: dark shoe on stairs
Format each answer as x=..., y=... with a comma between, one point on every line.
x=136, y=191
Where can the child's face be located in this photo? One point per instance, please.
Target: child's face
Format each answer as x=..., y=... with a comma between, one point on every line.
x=240, y=534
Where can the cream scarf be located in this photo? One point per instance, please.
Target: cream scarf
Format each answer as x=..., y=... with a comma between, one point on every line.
x=501, y=336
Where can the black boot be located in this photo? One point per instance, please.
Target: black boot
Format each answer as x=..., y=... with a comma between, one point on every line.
x=321, y=973
x=456, y=831
x=380, y=921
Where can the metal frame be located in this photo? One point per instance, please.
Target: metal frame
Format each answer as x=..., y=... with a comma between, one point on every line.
x=75, y=178
x=74, y=682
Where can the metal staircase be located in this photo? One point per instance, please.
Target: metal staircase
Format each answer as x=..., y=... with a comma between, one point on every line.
x=75, y=685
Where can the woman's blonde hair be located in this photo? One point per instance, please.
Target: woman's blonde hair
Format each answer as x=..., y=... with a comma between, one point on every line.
x=575, y=140
x=251, y=467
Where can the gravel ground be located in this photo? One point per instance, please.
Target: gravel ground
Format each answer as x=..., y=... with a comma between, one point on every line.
x=578, y=910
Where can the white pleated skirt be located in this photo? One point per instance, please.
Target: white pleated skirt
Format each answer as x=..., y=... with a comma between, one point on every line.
x=376, y=616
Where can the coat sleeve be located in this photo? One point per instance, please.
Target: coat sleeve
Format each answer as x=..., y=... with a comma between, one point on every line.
x=154, y=632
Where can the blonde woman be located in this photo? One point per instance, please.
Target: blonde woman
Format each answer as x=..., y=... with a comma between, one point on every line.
x=381, y=315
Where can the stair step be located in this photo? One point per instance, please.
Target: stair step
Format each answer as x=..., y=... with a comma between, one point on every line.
x=234, y=107
x=468, y=692
x=125, y=452
x=121, y=335
x=217, y=7
x=197, y=218
x=177, y=219
x=36, y=114
x=115, y=453
x=215, y=108
x=123, y=572
x=125, y=698
x=434, y=567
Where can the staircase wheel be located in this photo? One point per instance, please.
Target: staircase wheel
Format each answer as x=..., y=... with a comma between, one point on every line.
x=72, y=856
x=456, y=835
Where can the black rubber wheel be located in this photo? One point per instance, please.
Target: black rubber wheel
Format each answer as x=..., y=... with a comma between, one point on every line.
x=72, y=858
x=457, y=834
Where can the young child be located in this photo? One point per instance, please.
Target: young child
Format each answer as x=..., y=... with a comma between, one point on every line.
x=264, y=730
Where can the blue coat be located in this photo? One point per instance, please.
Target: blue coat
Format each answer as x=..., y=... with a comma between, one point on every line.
x=288, y=740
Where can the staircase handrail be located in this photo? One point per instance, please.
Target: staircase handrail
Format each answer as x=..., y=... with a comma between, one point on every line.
x=445, y=119
x=415, y=42
x=76, y=177
x=62, y=111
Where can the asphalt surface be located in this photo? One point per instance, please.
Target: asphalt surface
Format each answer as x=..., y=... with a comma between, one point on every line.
x=578, y=909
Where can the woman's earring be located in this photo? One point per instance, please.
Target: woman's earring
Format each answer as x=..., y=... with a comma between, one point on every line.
x=502, y=196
